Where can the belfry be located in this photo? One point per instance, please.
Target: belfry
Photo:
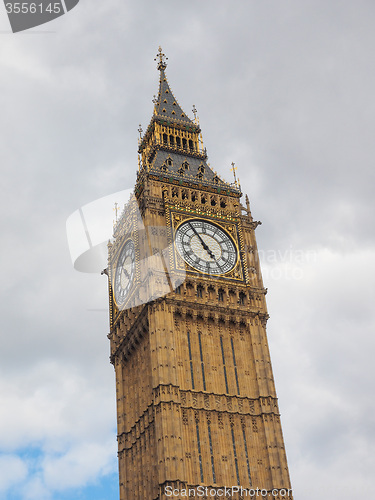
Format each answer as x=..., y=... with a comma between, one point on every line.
x=197, y=410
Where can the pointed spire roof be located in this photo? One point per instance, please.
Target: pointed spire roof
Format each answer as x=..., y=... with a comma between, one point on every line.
x=172, y=148
x=166, y=105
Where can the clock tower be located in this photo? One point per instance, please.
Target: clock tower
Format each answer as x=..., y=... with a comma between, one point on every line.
x=197, y=411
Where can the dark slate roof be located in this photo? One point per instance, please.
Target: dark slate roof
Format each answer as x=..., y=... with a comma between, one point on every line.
x=191, y=174
x=169, y=109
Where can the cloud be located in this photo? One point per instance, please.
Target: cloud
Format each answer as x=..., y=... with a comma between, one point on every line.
x=319, y=324
x=49, y=405
x=80, y=465
x=53, y=421
x=13, y=471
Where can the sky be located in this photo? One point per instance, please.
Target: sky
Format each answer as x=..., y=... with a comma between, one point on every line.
x=284, y=89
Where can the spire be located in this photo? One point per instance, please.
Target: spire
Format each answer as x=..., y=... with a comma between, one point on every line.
x=171, y=147
x=166, y=105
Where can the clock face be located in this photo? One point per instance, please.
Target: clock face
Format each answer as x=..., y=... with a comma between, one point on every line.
x=124, y=272
x=206, y=247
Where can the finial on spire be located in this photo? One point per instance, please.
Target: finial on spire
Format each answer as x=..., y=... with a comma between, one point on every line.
x=233, y=169
x=162, y=59
x=140, y=130
x=194, y=110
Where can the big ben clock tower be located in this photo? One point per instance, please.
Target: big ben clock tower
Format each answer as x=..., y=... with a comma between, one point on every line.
x=197, y=411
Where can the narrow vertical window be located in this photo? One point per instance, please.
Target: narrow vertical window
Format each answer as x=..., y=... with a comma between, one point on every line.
x=225, y=369
x=235, y=456
x=221, y=295
x=202, y=364
x=191, y=361
x=246, y=453
x=235, y=365
x=211, y=452
x=199, y=450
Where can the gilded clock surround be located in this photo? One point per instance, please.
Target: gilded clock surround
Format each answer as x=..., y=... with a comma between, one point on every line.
x=196, y=402
x=230, y=229
x=207, y=248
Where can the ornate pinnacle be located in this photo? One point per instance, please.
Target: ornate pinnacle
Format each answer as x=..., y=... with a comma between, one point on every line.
x=116, y=209
x=162, y=59
x=248, y=206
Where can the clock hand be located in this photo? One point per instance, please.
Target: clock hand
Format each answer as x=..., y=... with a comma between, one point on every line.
x=203, y=243
x=125, y=272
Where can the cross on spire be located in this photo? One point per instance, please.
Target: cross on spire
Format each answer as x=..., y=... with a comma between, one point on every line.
x=194, y=110
x=162, y=59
